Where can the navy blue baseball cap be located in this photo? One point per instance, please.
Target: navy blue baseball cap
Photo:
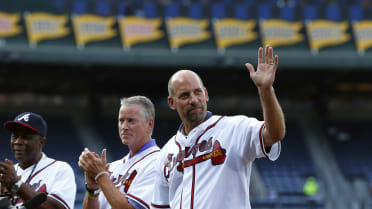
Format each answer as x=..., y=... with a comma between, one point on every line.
x=30, y=120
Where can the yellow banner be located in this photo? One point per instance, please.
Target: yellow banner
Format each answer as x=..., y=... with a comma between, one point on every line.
x=8, y=24
x=90, y=28
x=363, y=35
x=231, y=31
x=42, y=26
x=323, y=33
x=277, y=32
x=183, y=30
x=137, y=29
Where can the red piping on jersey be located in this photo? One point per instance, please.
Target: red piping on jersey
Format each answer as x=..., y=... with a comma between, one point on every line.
x=60, y=199
x=193, y=166
x=40, y=171
x=142, y=159
x=178, y=144
x=179, y=147
x=159, y=206
x=181, y=199
x=261, y=141
x=139, y=200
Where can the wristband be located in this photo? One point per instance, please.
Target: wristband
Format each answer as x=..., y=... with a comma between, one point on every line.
x=16, y=187
x=92, y=191
x=92, y=196
x=100, y=174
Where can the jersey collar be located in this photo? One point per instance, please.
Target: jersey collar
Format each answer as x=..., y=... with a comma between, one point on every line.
x=209, y=115
x=148, y=144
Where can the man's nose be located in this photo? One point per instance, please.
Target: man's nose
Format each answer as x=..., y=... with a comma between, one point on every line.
x=193, y=99
x=124, y=125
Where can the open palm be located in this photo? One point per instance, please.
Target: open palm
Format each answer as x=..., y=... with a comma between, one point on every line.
x=265, y=75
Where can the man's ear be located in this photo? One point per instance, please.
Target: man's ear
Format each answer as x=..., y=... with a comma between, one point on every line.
x=42, y=141
x=206, y=94
x=150, y=123
x=171, y=103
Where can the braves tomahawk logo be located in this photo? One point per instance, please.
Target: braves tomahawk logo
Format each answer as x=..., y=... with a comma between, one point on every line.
x=125, y=180
x=37, y=187
x=25, y=117
x=217, y=156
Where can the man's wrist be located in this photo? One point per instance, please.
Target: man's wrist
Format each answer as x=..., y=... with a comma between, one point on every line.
x=92, y=191
x=100, y=174
x=92, y=196
x=16, y=186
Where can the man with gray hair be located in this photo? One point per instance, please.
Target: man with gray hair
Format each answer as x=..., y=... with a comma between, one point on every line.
x=128, y=182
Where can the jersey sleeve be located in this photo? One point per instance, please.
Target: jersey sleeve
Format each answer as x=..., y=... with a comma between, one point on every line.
x=160, y=198
x=251, y=139
x=64, y=187
x=141, y=190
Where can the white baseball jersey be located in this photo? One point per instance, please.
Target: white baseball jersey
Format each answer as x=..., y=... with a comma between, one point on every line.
x=54, y=178
x=134, y=177
x=216, y=158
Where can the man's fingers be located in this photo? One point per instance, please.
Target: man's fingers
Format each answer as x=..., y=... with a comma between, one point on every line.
x=103, y=155
x=276, y=62
x=3, y=165
x=270, y=55
x=260, y=55
x=269, y=59
x=82, y=165
x=250, y=67
x=90, y=155
x=267, y=54
x=9, y=162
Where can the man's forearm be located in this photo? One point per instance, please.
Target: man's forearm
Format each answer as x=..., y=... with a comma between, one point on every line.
x=90, y=202
x=273, y=116
x=116, y=199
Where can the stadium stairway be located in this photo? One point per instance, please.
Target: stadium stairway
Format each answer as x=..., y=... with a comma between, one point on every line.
x=257, y=187
x=339, y=192
x=89, y=137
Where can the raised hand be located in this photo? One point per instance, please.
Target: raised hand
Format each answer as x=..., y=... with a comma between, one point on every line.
x=91, y=163
x=265, y=75
x=8, y=175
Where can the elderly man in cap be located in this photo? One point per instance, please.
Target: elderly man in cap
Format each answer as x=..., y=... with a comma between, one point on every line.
x=35, y=172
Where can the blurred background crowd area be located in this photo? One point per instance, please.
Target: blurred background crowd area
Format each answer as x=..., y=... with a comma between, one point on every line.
x=154, y=8
x=326, y=98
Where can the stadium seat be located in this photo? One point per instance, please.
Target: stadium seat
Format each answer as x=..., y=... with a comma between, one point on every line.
x=103, y=7
x=80, y=7
x=287, y=13
x=249, y=2
x=356, y=13
x=317, y=2
x=172, y=10
x=196, y=10
x=122, y=8
x=150, y=9
x=182, y=2
x=310, y=13
x=241, y=11
x=333, y=12
x=264, y=11
x=58, y=4
x=218, y=11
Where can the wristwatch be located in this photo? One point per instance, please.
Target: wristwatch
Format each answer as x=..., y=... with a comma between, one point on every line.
x=94, y=192
x=15, y=188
